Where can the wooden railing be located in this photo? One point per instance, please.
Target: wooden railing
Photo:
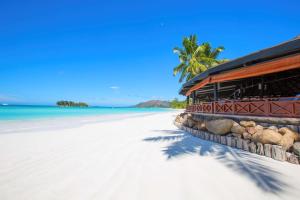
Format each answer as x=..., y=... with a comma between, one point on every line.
x=284, y=107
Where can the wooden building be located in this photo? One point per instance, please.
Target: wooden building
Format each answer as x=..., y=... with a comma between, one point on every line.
x=264, y=83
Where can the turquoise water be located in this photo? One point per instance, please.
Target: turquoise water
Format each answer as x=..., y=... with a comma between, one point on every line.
x=42, y=112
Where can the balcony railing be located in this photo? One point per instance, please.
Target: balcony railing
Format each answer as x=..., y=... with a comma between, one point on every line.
x=283, y=107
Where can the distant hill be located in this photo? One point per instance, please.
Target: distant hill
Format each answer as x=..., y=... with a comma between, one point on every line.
x=154, y=103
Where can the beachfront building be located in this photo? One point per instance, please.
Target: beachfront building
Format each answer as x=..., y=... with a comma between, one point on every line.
x=264, y=84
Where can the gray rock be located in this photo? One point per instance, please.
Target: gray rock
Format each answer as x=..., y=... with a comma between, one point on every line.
x=228, y=140
x=274, y=128
x=296, y=148
x=219, y=126
x=292, y=158
x=239, y=143
x=260, y=149
x=223, y=140
x=233, y=142
x=211, y=137
x=252, y=147
x=278, y=153
x=206, y=135
x=267, y=150
x=246, y=145
x=218, y=138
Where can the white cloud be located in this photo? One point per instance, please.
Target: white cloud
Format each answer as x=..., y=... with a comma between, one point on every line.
x=114, y=87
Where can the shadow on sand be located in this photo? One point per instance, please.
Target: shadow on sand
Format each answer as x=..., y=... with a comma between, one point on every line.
x=242, y=162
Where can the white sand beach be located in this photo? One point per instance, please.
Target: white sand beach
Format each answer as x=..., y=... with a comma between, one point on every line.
x=134, y=158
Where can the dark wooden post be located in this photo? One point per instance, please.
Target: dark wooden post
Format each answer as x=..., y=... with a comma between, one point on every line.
x=216, y=92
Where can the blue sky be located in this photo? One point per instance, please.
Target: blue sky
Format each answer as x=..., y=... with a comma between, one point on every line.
x=120, y=52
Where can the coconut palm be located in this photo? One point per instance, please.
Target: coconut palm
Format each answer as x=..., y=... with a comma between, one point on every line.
x=195, y=59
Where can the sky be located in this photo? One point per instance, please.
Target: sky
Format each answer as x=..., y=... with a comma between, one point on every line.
x=120, y=52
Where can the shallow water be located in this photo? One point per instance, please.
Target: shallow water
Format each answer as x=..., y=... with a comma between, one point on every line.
x=44, y=112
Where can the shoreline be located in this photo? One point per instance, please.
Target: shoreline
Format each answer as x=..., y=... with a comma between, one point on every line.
x=65, y=122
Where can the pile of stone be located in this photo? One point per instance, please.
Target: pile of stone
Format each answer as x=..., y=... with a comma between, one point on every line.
x=278, y=143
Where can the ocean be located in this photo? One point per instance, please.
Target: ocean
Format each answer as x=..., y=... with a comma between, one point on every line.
x=44, y=112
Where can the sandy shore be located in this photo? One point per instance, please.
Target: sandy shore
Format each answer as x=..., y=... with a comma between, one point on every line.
x=134, y=158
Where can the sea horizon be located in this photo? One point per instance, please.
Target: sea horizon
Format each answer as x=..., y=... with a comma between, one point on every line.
x=30, y=112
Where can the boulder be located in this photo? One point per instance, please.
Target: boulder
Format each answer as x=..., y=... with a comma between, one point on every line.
x=288, y=137
x=268, y=136
x=237, y=129
x=251, y=130
x=200, y=126
x=247, y=123
x=296, y=148
x=274, y=128
x=246, y=135
x=219, y=126
x=191, y=123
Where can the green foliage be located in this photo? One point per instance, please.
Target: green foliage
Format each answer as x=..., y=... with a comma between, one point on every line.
x=71, y=104
x=195, y=59
x=178, y=104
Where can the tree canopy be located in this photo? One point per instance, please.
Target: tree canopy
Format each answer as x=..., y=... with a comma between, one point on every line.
x=195, y=59
x=178, y=104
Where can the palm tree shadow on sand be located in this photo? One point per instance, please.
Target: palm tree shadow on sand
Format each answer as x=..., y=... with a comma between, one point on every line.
x=245, y=163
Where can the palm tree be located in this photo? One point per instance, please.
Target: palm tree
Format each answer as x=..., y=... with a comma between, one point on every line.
x=195, y=59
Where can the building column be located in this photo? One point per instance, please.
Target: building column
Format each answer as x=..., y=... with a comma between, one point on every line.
x=216, y=97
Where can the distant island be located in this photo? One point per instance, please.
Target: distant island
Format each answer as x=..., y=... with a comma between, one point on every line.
x=71, y=104
x=176, y=104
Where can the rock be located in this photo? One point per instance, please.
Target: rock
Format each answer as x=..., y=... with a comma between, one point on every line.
x=246, y=145
x=237, y=129
x=239, y=143
x=218, y=138
x=267, y=150
x=252, y=130
x=247, y=123
x=223, y=140
x=278, y=153
x=200, y=125
x=228, y=141
x=236, y=135
x=252, y=147
x=288, y=138
x=292, y=158
x=191, y=123
x=233, y=142
x=206, y=136
x=219, y=126
x=274, y=128
x=260, y=149
x=269, y=136
x=256, y=136
x=246, y=135
x=296, y=148
x=211, y=137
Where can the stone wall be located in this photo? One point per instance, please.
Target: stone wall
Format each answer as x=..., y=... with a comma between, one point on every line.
x=292, y=123
x=273, y=151
x=272, y=138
